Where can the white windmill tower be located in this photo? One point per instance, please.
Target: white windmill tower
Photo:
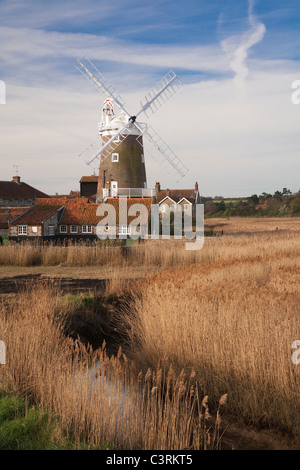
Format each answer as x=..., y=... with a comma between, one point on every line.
x=122, y=169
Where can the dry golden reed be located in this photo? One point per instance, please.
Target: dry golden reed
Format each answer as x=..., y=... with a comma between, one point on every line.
x=232, y=318
x=96, y=399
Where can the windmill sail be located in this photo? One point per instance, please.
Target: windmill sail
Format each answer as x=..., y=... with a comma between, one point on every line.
x=163, y=90
x=162, y=153
x=100, y=82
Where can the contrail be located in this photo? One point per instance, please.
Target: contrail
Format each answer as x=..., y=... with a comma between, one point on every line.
x=251, y=37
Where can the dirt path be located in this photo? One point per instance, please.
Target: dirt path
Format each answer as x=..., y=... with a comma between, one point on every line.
x=239, y=437
x=14, y=284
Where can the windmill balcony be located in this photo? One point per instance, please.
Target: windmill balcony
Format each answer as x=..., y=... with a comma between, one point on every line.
x=129, y=192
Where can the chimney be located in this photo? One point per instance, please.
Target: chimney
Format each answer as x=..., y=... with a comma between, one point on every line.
x=196, y=187
x=168, y=192
x=157, y=188
x=16, y=179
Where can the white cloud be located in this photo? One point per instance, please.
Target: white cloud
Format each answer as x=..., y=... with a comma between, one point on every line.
x=22, y=47
x=237, y=48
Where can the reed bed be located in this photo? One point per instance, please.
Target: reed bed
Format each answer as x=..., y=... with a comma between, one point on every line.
x=94, y=398
x=233, y=319
x=237, y=225
x=151, y=253
x=226, y=314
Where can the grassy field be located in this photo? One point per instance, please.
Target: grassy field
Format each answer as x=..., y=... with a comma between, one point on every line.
x=203, y=332
x=238, y=225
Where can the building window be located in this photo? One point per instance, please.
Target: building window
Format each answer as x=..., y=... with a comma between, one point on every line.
x=163, y=207
x=74, y=229
x=186, y=207
x=22, y=229
x=142, y=158
x=87, y=229
x=115, y=157
x=63, y=229
x=124, y=229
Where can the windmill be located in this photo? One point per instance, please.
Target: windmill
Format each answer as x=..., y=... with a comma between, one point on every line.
x=122, y=169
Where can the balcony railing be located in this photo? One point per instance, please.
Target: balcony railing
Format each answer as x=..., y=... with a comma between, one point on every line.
x=128, y=192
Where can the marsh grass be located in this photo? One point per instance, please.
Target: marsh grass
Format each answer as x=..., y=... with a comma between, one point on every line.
x=150, y=253
x=215, y=322
x=233, y=320
x=93, y=397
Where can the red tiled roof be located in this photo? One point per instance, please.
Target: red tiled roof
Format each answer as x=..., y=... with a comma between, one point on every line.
x=89, y=179
x=83, y=212
x=80, y=211
x=51, y=201
x=16, y=211
x=13, y=190
x=10, y=213
x=36, y=215
x=115, y=202
x=61, y=200
x=72, y=194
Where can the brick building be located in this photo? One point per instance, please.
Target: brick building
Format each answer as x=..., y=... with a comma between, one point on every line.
x=16, y=193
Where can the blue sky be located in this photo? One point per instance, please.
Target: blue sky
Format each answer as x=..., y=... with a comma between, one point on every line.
x=232, y=123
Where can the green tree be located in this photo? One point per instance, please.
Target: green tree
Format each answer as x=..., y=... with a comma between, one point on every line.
x=254, y=198
x=286, y=192
x=295, y=206
x=278, y=195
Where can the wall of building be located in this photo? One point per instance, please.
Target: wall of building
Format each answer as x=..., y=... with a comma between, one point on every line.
x=167, y=202
x=32, y=231
x=129, y=171
x=79, y=230
x=88, y=189
x=51, y=221
x=16, y=202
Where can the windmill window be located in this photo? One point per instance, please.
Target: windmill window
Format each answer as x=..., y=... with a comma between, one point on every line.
x=115, y=157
